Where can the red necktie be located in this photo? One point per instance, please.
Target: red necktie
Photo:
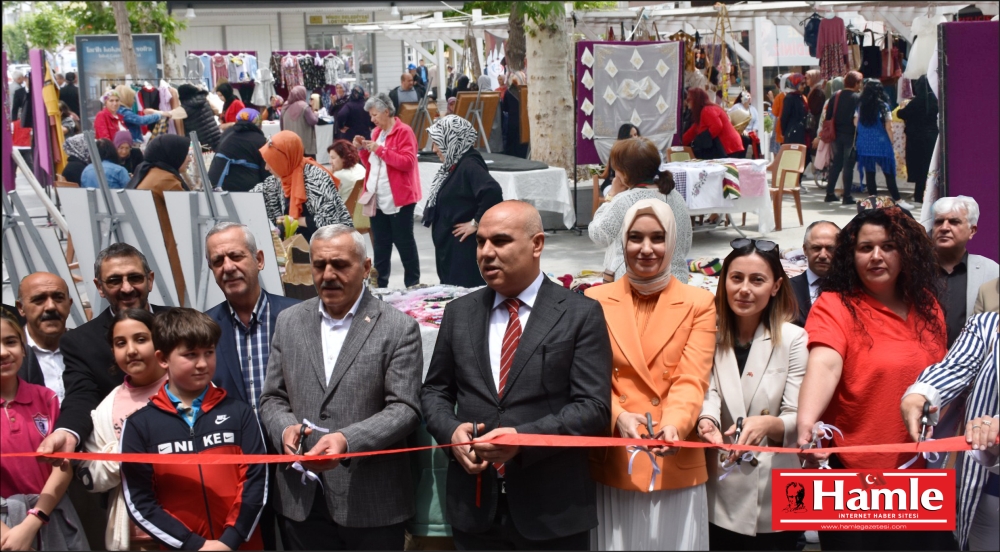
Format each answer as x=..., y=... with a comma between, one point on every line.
x=511, y=337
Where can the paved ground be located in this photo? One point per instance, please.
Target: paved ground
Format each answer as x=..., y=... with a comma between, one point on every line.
x=567, y=252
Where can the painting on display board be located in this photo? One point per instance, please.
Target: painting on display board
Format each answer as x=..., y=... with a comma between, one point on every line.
x=626, y=82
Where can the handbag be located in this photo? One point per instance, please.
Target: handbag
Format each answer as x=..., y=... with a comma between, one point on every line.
x=824, y=151
x=871, y=59
x=891, y=68
x=828, y=133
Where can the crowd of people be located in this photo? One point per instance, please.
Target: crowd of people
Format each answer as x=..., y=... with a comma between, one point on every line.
x=885, y=319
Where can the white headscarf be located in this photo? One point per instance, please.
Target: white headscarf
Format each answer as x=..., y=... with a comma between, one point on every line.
x=454, y=136
x=665, y=216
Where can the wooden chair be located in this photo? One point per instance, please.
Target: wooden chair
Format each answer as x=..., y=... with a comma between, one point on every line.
x=679, y=153
x=786, y=175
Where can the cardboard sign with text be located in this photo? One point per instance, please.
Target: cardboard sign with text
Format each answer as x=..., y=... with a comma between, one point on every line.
x=863, y=500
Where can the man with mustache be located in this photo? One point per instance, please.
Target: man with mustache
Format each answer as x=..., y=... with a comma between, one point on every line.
x=955, y=220
x=819, y=243
x=44, y=301
x=350, y=365
x=247, y=316
x=124, y=279
x=522, y=355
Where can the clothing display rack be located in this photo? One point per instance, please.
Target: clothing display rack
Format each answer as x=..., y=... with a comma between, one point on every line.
x=320, y=53
x=221, y=52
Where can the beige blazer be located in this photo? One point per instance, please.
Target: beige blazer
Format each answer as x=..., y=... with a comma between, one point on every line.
x=988, y=299
x=769, y=386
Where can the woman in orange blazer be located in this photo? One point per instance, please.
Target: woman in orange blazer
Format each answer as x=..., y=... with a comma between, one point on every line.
x=663, y=340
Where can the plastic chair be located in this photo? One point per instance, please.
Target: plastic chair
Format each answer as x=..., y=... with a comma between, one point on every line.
x=786, y=175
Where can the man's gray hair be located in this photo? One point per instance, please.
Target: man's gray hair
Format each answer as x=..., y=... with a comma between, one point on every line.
x=228, y=225
x=117, y=251
x=332, y=231
x=947, y=205
x=17, y=74
x=380, y=102
x=809, y=229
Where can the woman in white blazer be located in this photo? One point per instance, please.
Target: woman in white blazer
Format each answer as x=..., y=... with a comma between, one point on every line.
x=760, y=360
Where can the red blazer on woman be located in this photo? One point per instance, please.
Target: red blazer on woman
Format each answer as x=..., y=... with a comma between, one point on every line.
x=717, y=123
x=106, y=124
x=400, y=155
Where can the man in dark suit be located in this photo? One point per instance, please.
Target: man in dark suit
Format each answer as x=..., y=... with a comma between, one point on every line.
x=44, y=301
x=554, y=377
x=818, y=243
x=247, y=316
x=124, y=279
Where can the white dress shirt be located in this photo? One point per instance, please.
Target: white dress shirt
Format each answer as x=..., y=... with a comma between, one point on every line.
x=334, y=333
x=51, y=363
x=380, y=174
x=813, y=285
x=498, y=322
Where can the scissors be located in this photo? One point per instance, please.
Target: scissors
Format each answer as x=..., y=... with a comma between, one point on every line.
x=736, y=437
x=649, y=427
x=475, y=435
x=302, y=441
x=925, y=420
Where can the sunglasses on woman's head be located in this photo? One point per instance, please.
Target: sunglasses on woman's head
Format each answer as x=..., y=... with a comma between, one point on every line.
x=762, y=245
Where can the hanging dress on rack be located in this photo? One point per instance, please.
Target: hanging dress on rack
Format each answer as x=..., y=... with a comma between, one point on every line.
x=925, y=40
x=264, y=90
x=291, y=72
x=831, y=46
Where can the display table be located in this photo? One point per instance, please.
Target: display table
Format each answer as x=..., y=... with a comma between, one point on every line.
x=546, y=189
x=270, y=128
x=701, y=184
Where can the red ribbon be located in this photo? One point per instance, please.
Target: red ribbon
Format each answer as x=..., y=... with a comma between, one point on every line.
x=951, y=444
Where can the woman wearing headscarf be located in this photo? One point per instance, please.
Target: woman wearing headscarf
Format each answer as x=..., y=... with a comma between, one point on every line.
x=115, y=175
x=352, y=119
x=273, y=112
x=128, y=157
x=299, y=187
x=238, y=165
x=342, y=89
x=231, y=105
x=462, y=192
x=461, y=85
x=167, y=157
x=663, y=342
x=200, y=118
x=511, y=108
x=393, y=187
x=135, y=121
x=921, y=117
x=794, y=112
x=77, y=157
x=299, y=118
x=639, y=175
x=107, y=122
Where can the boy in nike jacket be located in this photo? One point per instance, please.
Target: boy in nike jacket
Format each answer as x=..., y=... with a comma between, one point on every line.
x=191, y=507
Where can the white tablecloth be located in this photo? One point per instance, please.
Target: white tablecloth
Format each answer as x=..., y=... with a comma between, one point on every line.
x=546, y=189
x=701, y=185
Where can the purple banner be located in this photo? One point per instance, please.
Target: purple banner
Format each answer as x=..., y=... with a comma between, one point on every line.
x=972, y=123
x=40, y=119
x=8, y=140
x=586, y=152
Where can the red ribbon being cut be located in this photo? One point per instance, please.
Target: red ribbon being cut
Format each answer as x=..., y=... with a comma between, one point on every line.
x=951, y=444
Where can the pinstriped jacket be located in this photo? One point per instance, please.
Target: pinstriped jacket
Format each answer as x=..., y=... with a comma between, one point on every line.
x=971, y=362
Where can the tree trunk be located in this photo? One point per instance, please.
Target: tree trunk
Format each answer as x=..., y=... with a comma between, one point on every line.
x=515, y=39
x=550, y=94
x=124, y=29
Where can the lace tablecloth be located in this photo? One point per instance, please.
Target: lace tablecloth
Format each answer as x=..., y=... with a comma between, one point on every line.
x=546, y=189
x=701, y=184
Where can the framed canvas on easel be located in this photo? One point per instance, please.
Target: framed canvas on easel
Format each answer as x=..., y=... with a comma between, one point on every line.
x=408, y=114
x=525, y=120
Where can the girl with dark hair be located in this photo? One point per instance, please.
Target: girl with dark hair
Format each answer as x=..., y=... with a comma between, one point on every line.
x=876, y=325
x=231, y=106
x=131, y=339
x=346, y=166
x=626, y=131
x=711, y=135
x=639, y=174
x=755, y=307
x=874, y=142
